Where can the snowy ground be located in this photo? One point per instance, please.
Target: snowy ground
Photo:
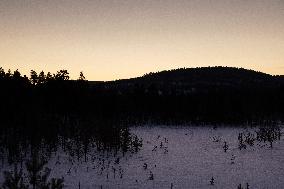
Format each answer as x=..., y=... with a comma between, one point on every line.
x=179, y=157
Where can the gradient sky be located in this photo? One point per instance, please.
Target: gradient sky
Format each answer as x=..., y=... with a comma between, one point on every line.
x=112, y=39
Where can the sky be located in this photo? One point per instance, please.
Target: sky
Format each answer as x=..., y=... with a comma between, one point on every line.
x=115, y=39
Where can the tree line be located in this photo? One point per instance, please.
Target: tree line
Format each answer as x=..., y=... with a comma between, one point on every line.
x=214, y=94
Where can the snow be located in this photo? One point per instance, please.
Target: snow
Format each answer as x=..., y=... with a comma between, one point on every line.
x=186, y=157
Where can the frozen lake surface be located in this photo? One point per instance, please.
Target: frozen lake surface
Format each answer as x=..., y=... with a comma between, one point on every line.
x=178, y=157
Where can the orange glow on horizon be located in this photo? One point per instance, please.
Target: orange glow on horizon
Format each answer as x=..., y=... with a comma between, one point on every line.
x=110, y=40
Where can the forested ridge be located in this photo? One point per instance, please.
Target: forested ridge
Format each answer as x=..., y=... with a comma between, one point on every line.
x=213, y=94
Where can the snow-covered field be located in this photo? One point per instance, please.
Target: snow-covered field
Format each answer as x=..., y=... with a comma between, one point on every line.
x=179, y=157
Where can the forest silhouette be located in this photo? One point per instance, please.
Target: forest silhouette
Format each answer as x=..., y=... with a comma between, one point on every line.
x=209, y=94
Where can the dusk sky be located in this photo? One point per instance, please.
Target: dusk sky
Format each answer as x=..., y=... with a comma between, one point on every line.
x=114, y=39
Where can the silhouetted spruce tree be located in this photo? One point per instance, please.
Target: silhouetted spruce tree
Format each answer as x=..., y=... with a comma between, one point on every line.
x=8, y=74
x=62, y=75
x=41, y=78
x=81, y=77
x=49, y=77
x=34, y=77
x=17, y=75
x=2, y=72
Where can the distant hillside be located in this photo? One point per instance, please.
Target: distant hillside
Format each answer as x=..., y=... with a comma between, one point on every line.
x=214, y=94
x=208, y=75
x=192, y=79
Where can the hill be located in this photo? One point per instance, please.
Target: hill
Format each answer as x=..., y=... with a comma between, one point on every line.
x=214, y=94
x=209, y=93
x=186, y=80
